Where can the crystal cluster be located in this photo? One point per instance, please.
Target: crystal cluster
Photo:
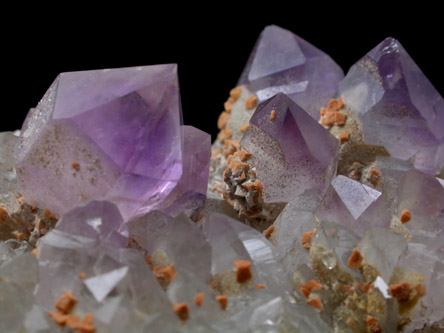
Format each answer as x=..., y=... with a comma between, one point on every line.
x=324, y=210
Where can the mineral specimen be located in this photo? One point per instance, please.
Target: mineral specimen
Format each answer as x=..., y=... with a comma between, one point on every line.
x=397, y=106
x=312, y=222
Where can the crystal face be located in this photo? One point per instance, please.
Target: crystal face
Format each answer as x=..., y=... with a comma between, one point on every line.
x=398, y=106
x=282, y=62
x=304, y=225
x=110, y=134
x=292, y=152
x=353, y=205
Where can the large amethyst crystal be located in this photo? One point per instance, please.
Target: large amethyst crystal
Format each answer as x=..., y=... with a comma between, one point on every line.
x=111, y=134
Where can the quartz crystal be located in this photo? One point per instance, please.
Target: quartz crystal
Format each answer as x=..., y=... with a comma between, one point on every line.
x=111, y=134
x=247, y=244
x=182, y=243
x=397, y=105
x=286, y=234
x=291, y=151
x=8, y=176
x=354, y=205
x=334, y=225
x=282, y=62
x=115, y=279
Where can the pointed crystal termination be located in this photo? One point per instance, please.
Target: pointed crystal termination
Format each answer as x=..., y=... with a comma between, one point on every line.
x=290, y=150
x=397, y=105
x=423, y=196
x=245, y=243
x=354, y=205
x=97, y=220
x=284, y=62
x=112, y=134
x=176, y=238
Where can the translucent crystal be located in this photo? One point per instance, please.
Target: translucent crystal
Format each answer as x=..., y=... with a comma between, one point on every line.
x=110, y=134
x=282, y=62
x=381, y=249
x=247, y=244
x=8, y=176
x=397, y=105
x=180, y=239
x=101, y=285
x=292, y=153
x=344, y=253
x=423, y=196
x=18, y=279
x=97, y=220
x=354, y=205
x=337, y=243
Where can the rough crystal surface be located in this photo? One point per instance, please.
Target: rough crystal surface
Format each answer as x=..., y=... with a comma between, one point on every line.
x=282, y=62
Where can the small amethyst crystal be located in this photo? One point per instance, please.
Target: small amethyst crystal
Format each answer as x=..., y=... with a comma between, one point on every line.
x=111, y=134
x=292, y=153
x=282, y=62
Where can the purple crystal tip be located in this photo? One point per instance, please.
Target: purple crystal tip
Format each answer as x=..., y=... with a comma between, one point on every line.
x=282, y=62
x=397, y=105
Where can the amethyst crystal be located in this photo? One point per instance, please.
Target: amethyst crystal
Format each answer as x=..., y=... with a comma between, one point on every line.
x=397, y=105
x=290, y=150
x=354, y=205
x=97, y=220
x=110, y=134
x=284, y=62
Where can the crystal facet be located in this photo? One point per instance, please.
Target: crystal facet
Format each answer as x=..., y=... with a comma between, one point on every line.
x=329, y=226
x=110, y=134
x=282, y=62
x=398, y=106
x=292, y=153
x=354, y=205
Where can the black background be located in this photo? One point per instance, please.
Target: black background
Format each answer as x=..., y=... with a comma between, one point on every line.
x=210, y=45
